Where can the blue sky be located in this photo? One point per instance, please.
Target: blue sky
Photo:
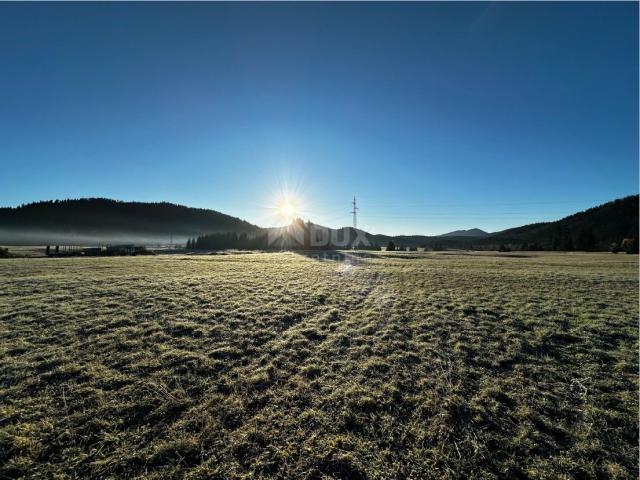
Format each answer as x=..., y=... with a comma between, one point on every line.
x=436, y=116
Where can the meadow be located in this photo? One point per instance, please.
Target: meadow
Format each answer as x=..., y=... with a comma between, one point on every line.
x=277, y=365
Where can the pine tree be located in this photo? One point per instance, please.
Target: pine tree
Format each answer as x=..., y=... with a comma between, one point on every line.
x=630, y=245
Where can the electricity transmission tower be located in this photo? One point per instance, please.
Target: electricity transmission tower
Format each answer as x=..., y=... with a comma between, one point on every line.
x=354, y=212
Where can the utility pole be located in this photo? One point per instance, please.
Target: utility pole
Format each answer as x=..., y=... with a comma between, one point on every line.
x=354, y=212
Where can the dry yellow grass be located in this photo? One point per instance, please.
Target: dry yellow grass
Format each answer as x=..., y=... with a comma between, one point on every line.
x=279, y=365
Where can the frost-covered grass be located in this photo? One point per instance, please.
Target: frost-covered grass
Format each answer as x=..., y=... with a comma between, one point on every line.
x=278, y=365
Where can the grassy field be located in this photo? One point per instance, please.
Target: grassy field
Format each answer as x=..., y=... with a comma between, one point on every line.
x=417, y=366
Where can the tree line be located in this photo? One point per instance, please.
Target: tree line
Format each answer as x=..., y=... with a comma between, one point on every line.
x=262, y=241
x=227, y=241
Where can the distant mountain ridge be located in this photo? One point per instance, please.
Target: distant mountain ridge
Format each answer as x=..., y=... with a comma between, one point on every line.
x=472, y=232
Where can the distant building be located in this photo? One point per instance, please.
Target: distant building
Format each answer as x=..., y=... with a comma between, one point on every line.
x=124, y=249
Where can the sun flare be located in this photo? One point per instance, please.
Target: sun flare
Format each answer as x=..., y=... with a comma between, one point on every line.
x=287, y=210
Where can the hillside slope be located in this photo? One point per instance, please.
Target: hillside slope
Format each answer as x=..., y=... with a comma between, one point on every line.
x=102, y=220
x=592, y=229
x=602, y=225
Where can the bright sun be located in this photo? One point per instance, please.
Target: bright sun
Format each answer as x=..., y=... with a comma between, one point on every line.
x=287, y=210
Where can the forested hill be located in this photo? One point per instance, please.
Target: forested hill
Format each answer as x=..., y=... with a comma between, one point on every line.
x=100, y=218
x=595, y=228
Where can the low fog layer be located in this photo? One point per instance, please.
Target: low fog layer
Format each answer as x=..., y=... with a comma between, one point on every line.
x=39, y=237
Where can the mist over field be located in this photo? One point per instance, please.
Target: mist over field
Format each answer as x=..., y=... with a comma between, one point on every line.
x=40, y=237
